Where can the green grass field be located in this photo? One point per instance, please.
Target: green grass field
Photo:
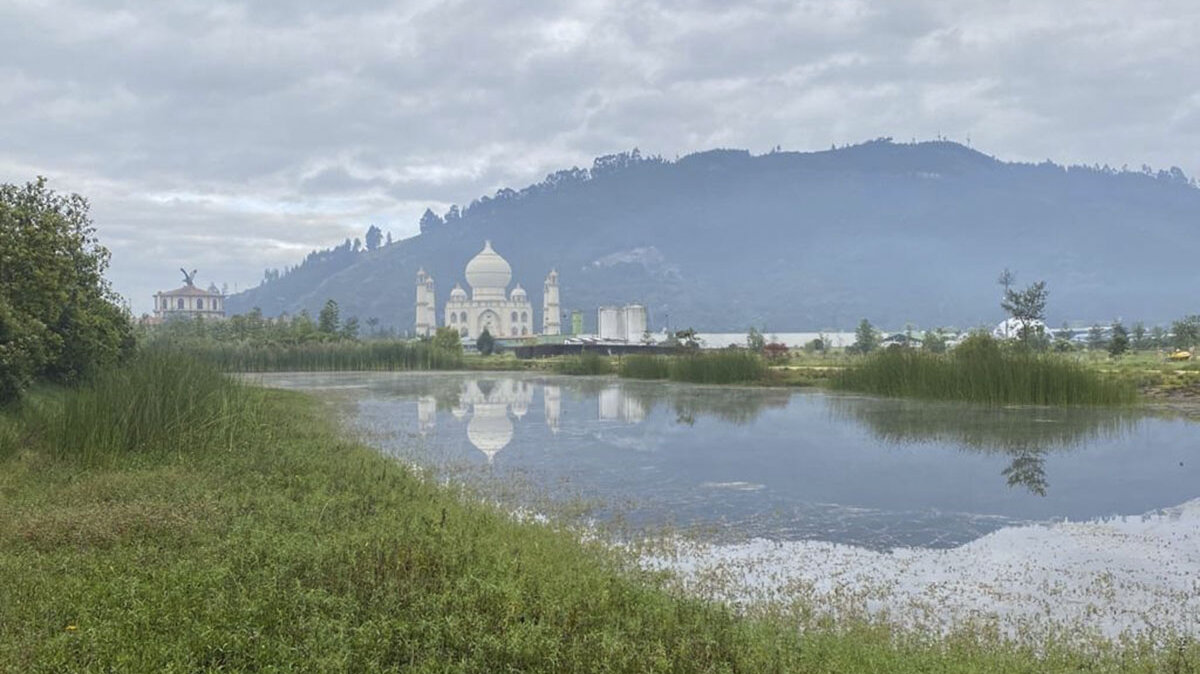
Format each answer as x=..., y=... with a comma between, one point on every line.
x=165, y=518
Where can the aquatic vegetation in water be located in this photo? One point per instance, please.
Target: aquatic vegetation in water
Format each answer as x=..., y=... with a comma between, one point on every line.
x=717, y=367
x=982, y=371
x=585, y=363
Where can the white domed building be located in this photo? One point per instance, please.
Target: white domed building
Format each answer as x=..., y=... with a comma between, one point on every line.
x=490, y=305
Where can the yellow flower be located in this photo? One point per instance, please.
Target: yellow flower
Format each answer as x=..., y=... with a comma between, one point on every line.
x=71, y=628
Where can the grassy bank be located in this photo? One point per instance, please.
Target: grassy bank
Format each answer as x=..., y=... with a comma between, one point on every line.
x=228, y=528
x=984, y=372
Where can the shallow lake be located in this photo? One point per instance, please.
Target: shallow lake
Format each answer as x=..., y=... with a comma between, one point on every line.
x=742, y=463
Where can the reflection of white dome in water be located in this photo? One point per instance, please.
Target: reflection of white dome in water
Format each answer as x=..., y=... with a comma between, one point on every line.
x=488, y=273
x=490, y=429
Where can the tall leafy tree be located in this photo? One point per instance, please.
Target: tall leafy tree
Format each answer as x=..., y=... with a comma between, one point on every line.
x=59, y=318
x=485, y=343
x=1006, y=280
x=1118, y=343
x=447, y=340
x=1185, y=332
x=373, y=237
x=1140, y=340
x=866, y=338
x=755, y=340
x=328, y=320
x=430, y=221
x=934, y=341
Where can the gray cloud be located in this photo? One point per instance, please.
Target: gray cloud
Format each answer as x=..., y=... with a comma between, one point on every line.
x=236, y=136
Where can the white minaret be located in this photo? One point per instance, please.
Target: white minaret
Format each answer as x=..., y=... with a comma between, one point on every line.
x=426, y=316
x=550, y=318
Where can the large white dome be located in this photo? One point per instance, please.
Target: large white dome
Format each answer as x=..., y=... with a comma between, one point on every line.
x=488, y=271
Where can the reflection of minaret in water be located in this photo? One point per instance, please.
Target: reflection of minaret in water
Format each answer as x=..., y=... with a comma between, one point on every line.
x=426, y=414
x=552, y=402
x=522, y=395
x=615, y=405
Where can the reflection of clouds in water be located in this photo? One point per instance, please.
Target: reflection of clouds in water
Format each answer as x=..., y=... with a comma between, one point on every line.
x=637, y=443
x=1009, y=430
x=733, y=405
x=1024, y=433
x=734, y=486
x=944, y=493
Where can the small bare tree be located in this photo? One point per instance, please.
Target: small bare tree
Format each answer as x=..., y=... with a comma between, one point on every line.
x=1006, y=280
x=1028, y=308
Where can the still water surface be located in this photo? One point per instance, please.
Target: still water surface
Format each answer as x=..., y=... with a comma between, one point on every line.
x=738, y=463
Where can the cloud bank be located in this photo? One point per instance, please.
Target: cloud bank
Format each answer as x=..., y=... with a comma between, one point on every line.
x=236, y=136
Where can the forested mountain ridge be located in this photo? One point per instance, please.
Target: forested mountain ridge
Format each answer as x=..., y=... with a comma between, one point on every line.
x=721, y=240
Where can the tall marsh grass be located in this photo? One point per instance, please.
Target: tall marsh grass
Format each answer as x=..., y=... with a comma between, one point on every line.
x=327, y=356
x=719, y=367
x=585, y=363
x=981, y=370
x=642, y=366
x=161, y=400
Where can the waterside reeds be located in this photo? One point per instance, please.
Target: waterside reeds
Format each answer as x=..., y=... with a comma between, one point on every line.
x=162, y=399
x=586, y=363
x=983, y=371
x=717, y=367
x=327, y=356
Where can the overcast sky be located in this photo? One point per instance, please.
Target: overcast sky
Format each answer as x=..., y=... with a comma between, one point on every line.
x=231, y=137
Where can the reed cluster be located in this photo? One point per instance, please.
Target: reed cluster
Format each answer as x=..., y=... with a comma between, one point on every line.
x=983, y=371
x=327, y=356
x=585, y=363
x=718, y=367
x=161, y=399
x=642, y=366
